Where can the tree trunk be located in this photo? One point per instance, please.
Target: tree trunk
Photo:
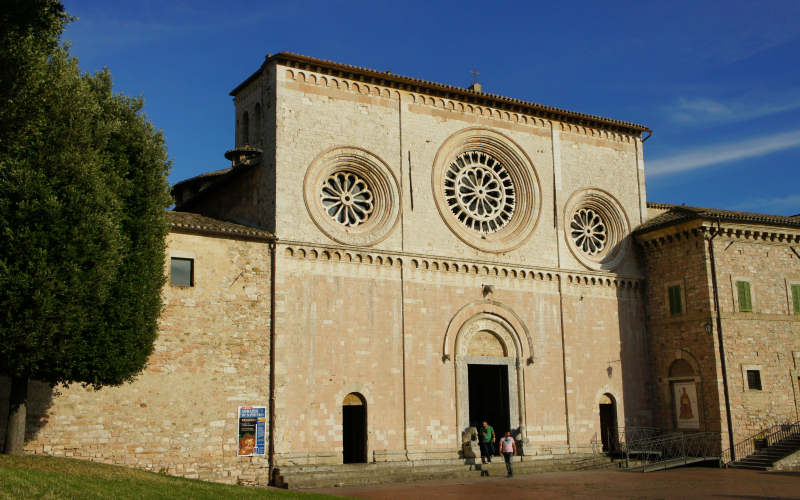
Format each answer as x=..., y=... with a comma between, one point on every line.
x=17, y=412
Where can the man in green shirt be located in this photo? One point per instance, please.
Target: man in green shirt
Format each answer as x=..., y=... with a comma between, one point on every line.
x=487, y=442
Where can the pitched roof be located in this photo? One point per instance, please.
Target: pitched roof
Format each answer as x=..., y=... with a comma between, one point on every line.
x=680, y=213
x=204, y=176
x=186, y=222
x=405, y=82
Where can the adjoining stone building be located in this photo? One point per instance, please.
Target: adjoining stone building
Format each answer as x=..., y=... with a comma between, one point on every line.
x=389, y=261
x=722, y=285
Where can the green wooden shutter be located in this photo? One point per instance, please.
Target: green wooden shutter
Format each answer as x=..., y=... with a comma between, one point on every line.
x=675, y=306
x=796, y=298
x=745, y=302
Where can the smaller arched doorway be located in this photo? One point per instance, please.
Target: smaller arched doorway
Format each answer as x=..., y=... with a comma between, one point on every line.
x=608, y=423
x=354, y=429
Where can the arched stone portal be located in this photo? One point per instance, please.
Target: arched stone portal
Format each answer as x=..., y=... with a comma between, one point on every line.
x=489, y=378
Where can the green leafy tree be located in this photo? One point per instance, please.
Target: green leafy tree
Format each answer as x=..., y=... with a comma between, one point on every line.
x=83, y=193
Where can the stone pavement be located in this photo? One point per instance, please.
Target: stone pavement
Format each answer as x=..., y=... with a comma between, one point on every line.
x=689, y=482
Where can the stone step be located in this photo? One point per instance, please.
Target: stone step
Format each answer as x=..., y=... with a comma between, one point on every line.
x=750, y=467
x=749, y=461
x=358, y=474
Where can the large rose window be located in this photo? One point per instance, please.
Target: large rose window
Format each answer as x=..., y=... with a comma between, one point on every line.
x=486, y=190
x=479, y=192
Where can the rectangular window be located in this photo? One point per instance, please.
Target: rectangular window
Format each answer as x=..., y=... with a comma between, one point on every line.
x=745, y=300
x=675, y=300
x=796, y=299
x=754, y=380
x=181, y=272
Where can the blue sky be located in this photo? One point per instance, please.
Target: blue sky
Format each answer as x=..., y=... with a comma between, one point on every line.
x=717, y=81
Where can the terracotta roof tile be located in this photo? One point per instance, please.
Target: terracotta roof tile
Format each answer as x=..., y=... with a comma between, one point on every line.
x=196, y=223
x=204, y=176
x=387, y=78
x=680, y=213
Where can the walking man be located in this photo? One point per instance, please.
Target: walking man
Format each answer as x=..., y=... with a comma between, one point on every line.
x=487, y=442
x=508, y=446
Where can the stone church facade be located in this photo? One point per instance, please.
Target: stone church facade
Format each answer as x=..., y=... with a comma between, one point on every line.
x=390, y=261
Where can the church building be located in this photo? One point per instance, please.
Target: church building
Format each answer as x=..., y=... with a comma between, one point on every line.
x=387, y=262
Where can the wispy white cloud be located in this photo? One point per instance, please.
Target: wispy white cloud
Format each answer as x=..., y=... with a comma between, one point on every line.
x=789, y=205
x=705, y=111
x=723, y=153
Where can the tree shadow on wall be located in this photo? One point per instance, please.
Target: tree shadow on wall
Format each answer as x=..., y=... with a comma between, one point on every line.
x=40, y=399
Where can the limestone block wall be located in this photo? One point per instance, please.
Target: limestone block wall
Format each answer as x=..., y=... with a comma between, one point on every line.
x=682, y=261
x=338, y=331
x=340, y=318
x=254, y=109
x=434, y=273
x=406, y=130
x=180, y=414
x=766, y=339
x=605, y=354
x=766, y=345
x=244, y=198
x=439, y=305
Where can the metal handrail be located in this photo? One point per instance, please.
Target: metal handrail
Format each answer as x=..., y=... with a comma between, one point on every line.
x=620, y=438
x=674, y=447
x=651, y=446
x=761, y=439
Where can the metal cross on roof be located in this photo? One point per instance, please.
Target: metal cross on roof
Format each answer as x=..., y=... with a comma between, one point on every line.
x=474, y=75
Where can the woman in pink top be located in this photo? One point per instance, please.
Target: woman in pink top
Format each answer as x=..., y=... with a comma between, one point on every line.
x=509, y=448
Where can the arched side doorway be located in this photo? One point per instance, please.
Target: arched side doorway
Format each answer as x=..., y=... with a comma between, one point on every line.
x=489, y=379
x=354, y=429
x=683, y=391
x=608, y=423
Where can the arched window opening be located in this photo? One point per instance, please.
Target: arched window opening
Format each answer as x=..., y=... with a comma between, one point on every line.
x=257, y=137
x=245, y=128
x=681, y=368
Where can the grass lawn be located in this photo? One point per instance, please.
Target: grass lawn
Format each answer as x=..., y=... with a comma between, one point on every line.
x=50, y=477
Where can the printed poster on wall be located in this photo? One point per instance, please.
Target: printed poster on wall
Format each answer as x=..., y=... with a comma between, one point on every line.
x=685, y=398
x=252, y=431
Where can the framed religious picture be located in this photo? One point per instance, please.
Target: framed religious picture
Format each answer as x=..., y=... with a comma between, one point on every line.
x=684, y=397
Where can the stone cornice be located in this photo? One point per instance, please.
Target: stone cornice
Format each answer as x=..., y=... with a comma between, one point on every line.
x=698, y=228
x=443, y=264
x=756, y=316
x=444, y=91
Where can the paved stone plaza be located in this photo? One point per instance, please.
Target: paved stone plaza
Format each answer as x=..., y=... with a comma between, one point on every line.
x=697, y=482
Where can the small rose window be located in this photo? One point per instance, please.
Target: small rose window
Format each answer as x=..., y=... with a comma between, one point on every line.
x=597, y=229
x=588, y=231
x=347, y=198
